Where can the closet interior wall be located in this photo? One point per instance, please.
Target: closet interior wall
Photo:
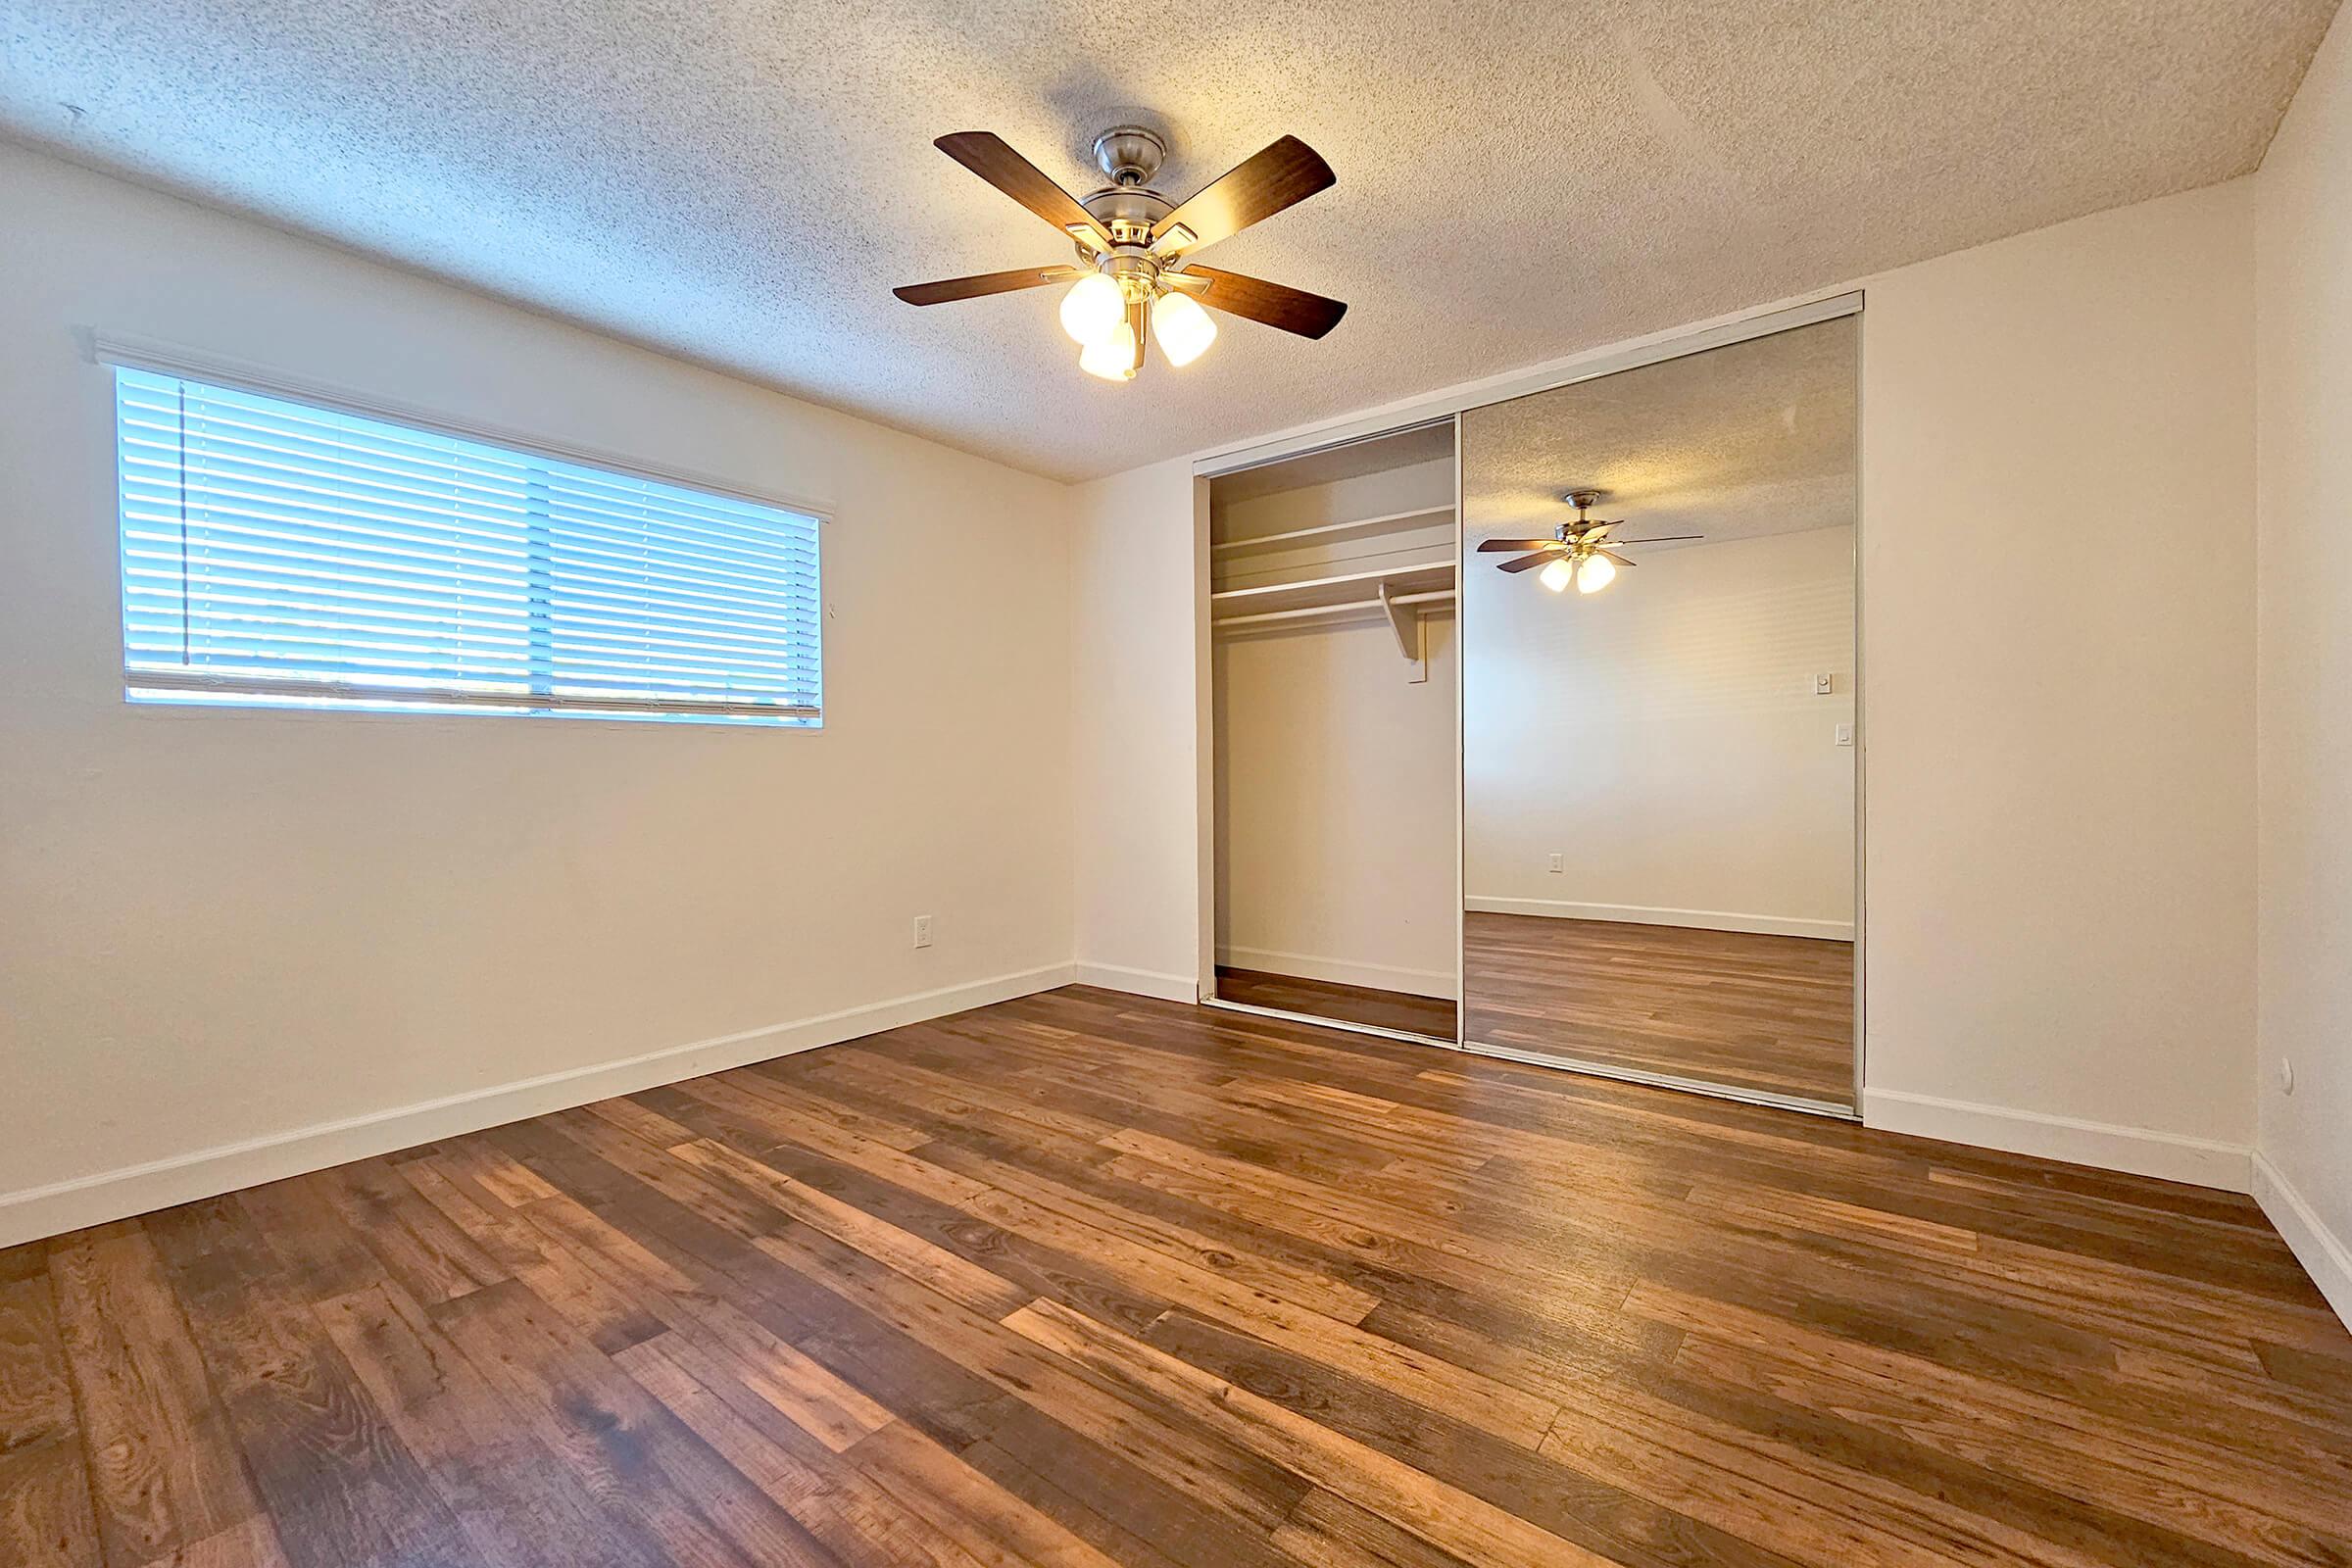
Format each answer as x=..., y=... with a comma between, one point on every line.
x=1336, y=689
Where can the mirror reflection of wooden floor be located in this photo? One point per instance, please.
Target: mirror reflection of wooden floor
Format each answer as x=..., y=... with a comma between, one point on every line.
x=1433, y=1016
x=1765, y=1014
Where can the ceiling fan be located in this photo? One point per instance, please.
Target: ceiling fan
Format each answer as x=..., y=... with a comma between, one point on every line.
x=1578, y=550
x=1135, y=248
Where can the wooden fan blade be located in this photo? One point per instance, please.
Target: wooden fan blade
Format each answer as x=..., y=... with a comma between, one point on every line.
x=992, y=158
x=1663, y=539
x=1293, y=309
x=1283, y=175
x=1518, y=544
x=972, y=288
x=1612, y=555
x=1528, y=562
x=1135, y=324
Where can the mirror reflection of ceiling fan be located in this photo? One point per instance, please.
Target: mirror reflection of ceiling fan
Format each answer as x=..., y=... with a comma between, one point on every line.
x=1135, y=266
x=1578, y=550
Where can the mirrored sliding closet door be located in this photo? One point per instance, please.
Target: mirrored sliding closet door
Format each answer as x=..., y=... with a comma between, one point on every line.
x=1658, y=722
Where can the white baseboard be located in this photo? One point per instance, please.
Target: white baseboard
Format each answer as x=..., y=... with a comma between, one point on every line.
x=2325, y=1256
x=94, y=1199
x=1342, y=972
x=2140, y=1150
x=1769, y=925
x=1137, y=982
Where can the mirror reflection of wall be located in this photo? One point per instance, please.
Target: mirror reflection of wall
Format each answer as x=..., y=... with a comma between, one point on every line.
x=1335, y=725
x=1658, y=774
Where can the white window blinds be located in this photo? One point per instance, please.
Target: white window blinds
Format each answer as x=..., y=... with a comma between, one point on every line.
x=278, y=553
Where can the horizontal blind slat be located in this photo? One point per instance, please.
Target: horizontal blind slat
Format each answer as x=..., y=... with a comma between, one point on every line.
x=292, y=554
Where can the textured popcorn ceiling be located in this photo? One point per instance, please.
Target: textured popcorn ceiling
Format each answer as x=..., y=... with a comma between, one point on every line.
x=1757, y=438
x=742, y=182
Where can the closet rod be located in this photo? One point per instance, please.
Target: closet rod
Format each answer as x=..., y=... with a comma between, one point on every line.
x=1352, y=606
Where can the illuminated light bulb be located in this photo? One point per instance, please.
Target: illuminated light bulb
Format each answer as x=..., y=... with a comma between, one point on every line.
x=1092, y=309
x=1184, y=329
x=1113, y=356
x=1594, y=574
x=1555, y=574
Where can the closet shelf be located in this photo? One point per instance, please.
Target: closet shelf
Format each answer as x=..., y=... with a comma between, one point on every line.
x=1333, y=532
x=1354, y=590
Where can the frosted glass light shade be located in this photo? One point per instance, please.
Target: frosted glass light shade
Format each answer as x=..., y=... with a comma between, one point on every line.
x=1594, y=574
x=1184, y=329
x=1092, y=309
x=1556, y=573
x=1113, y=356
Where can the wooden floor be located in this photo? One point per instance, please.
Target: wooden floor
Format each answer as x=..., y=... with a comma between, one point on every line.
x=1754, y=1012
x=1433, y=1016
x=1083, y=1279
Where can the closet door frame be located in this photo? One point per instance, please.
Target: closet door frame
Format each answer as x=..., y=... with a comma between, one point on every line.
x=1450, y=405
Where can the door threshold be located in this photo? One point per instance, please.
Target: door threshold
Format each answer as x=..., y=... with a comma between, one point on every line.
x=1828, y=1109
x=1374, y=1029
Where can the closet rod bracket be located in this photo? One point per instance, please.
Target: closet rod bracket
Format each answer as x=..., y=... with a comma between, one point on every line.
x=1411, y=639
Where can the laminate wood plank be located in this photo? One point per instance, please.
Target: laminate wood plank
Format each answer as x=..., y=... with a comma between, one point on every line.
x=1088, y=1279
x=2279, y=1472
x=1314, y=1290
x=45, y=1511
x=37, y=1396
x=45, y=1517
x=854, y=1519
x=427, y=1256
x=339, y=1485
x=1438, y=1513
x=1327, y=1530
x=512, y=1500
x=627, y=1449
x=1616, y=1524
x=943, y=1271
x=163, y=1471
x=1002, y=1530
x=253, y=1543
x=1180, y=1452
x=605, y=1314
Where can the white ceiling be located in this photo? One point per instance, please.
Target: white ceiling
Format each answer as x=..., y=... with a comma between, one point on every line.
x=1737, y=443
x=742, y=182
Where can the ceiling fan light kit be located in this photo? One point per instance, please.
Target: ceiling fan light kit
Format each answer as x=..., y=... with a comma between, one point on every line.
x=1578, y=552
x=1134, y=279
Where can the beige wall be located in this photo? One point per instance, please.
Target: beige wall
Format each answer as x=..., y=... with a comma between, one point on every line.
x=1664, y=739
x=2303, y=306
x=1139, y=662
x=220, y=929
x=2057, y=602
x=2057, y=652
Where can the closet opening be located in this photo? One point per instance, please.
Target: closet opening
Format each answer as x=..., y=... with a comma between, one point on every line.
x=1335, y=678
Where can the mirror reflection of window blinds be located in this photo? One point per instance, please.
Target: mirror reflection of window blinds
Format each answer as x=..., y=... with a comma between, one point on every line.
x=277, y=553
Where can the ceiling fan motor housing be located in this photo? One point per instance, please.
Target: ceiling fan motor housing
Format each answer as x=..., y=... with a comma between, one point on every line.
x=1130, y=155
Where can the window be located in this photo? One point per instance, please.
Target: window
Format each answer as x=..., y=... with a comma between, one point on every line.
x=276, y=554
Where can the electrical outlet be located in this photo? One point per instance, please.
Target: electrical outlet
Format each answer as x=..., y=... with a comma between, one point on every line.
x=1560, y=862
x=922, y=930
